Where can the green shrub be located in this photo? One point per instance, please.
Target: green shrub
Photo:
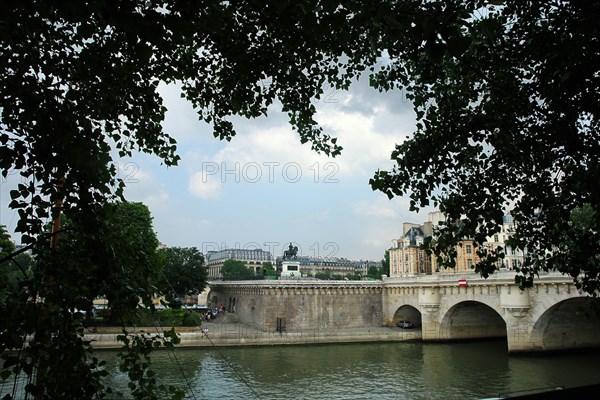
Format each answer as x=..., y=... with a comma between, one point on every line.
x=170, y=317
x=191, y=319
x=144, y=317
x=137, y=317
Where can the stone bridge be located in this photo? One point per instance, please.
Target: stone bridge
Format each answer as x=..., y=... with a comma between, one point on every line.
x=552, y=315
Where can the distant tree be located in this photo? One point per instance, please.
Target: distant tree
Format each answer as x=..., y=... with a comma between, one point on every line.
x=6, y=244
x=374, y=272
x=235, y=270
x=8, y=270
x=323, y=275
x=15, y=269
x=385, y=263
x=356, y=276
x=131, y=267
x=183, y=271
x=269, y=269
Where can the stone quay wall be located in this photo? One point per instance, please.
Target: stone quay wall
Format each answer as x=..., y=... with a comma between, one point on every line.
x=301, y=305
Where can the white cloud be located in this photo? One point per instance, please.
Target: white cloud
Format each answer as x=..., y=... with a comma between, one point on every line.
x=375, y=209
x=365, y=150
x=203, y=186
x=378, y=243
x=141, y=184
x=274, y=149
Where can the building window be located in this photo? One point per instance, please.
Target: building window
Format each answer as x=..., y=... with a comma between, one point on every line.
x=469, y=249
x=496, y=238
x=470, y=263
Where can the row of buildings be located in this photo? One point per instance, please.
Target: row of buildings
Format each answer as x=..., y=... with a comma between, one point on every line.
x=309, y=266
x=407, y=258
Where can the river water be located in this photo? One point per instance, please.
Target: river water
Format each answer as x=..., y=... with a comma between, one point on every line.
x=404, y=370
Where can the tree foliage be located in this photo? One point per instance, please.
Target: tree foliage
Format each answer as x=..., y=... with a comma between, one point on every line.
x=269, y=269
x=505, y=95
x=385, y=263
x=375, y=272
x=356, y=276
x=235, y=270
x=117, y=260
x=506, y=98
x=323, y=275
x=183, y=271
x=120, y=256
x=6, y=244
x=15, y=269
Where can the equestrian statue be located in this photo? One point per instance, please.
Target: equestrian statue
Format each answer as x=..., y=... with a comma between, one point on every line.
x=290, y=253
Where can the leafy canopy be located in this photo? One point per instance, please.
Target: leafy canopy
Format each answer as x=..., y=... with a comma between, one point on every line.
x=269, y=269
x=116, y=259
x=505, y=94
x=235, y=270
x=183, y=271
x=14, y=270
x=385, y=263
x=506, y=99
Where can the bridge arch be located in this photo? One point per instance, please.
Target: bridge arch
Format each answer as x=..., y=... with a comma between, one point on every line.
x=568, y=324
x=472, y=319
x=407, y=312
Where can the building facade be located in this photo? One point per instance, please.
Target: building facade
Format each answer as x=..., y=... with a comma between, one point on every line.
x=252, y=258
x=332, y=266
x=311, y=266
x=407, y=258
x=513, y=258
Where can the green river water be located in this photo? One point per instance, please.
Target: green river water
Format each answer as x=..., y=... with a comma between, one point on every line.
x=402, y=370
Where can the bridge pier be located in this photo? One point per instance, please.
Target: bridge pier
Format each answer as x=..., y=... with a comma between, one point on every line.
x=520, y=334
x=429, y=304
x=516, y=306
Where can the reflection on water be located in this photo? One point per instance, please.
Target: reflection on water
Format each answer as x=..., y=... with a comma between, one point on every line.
x=357, y=371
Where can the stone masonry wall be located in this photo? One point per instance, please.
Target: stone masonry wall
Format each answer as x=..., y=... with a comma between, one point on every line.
x=302, y=305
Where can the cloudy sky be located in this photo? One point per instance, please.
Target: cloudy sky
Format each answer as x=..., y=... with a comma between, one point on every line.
x=265, y=189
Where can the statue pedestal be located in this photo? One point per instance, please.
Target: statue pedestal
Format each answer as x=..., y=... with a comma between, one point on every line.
x=290, y=269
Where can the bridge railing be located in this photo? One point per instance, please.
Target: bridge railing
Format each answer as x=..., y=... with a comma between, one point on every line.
x=500, y=277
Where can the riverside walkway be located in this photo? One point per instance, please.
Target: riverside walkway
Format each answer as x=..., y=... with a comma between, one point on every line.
x=226, y=331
